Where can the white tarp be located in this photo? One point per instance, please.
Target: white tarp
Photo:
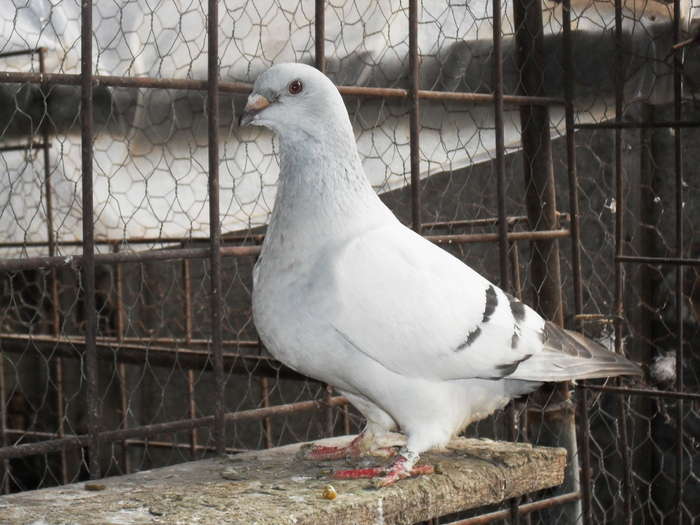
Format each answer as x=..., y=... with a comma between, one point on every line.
x=150, y=152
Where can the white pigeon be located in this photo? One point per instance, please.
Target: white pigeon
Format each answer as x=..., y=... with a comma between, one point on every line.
x=346, y=294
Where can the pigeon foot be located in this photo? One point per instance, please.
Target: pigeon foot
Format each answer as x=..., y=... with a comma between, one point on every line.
x=400, y=468
x=353, y=449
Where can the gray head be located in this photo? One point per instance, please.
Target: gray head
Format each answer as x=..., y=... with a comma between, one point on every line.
x=297, y=102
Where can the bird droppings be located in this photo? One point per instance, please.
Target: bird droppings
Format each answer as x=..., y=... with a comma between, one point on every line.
x=275, y=487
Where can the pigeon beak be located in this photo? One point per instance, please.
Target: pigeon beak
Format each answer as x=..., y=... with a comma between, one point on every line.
x=256, y=103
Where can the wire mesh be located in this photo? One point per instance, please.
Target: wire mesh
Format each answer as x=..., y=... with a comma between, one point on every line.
x=559, y=139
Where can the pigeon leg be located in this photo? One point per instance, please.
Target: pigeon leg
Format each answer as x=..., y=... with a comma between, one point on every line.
x=354, y=449
x=401, y=468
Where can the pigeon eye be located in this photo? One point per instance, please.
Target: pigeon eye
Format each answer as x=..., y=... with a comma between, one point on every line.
x=296, y=87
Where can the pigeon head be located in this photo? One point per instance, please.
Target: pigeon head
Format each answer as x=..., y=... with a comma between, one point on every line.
x=296, y=101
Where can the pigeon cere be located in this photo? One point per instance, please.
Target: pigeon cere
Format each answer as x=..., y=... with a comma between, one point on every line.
x=346, y=294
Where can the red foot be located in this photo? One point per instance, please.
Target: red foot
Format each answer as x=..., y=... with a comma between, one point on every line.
x=323, y=453
x=383, y=476
x=351, y=450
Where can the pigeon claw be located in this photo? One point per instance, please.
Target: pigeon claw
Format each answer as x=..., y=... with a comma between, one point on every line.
x=384, y=476
x=323, y=453
x=354, y=449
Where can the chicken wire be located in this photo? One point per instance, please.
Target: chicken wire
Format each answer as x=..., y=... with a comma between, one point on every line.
x=117, y=356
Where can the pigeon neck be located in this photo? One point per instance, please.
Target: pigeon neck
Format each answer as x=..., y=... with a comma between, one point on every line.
x=323, y=193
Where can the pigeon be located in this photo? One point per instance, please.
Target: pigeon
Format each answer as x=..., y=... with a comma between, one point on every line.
x=346, y=294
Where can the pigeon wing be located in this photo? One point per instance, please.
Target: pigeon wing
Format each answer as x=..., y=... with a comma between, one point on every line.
x=421, y=312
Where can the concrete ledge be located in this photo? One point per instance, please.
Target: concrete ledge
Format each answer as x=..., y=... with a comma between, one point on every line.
x=276, y=487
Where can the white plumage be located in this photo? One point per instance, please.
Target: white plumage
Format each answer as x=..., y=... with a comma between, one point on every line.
x=344, y=293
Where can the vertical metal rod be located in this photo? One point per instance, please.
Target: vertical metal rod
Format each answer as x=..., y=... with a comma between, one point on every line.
x=620, y=204
x=51, y=237
x=267, y=422
x=320, y=35
x=215, y=227
x=559, y=428
x=678, y=165
x=187, y=307
x=121, y=368
x=572, y=178
x=500, y=146
x=537, y=155
x=4, y=442
x=511, y=426
x=320, y=61
x=327, y=394
x=346, y=419
x=414, y=115
x=88, y=268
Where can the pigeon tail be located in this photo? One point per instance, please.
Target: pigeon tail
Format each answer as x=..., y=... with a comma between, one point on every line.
x=569, y=355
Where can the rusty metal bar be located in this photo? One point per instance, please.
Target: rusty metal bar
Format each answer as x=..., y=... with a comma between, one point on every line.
x=24, y=147
x=320, y=62
x=175, y=241
x=215, y=227
x=45, y=447
x=31, y=263
x=131, y=442
x=266, y=422
x=494, y=237
x=500, y=166
x=640, y=125
x=414, y=114
x=503, y=222
x=11, y=77
x=4, y=441
x=21, y=52
x=166, y=444
x=680, y=336
x=326, y=397
x=541, y=204
x=74, y=261
x=489, y=221
x=187, y=307
x=51, y=239
x=154, y=355
x=522, y=509
x=585, y=482
x=121, y=368
x=537, y=157
x=88, y=266
x=320, y=35
x=680, y=261
x=643, y=392
x=618, y=292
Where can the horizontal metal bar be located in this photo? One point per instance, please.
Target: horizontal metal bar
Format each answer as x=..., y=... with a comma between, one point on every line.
x=676, y=261
x=178, y=241
x=143, y=352
x=639, y=125
x=75, y=261
x=13, y=77
x=22, y=52
x=522, y=509
x=71, y=442
x=493, y=237
x=642, y=392
x=17, y=77
x=184, y=446
x=176, y=254
x=24, y=147
x=41, y=436
x=487, y=221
